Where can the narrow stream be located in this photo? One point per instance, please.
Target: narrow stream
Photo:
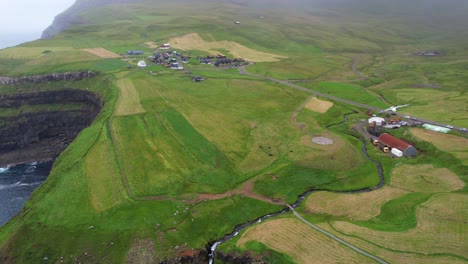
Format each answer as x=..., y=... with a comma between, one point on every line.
x=211, y=247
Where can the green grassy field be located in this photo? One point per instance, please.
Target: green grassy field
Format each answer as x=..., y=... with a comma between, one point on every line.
x=163, y=141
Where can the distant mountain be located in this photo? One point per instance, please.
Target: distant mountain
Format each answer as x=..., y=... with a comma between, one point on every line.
x=69, y=17
x=441, y=13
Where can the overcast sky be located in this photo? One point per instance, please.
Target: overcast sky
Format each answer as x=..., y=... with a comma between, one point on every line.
x=24, y=20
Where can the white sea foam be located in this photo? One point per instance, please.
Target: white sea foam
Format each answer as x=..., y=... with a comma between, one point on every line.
x=31, y=169
x=18, y=184
x=4, y=169
x=8, y=186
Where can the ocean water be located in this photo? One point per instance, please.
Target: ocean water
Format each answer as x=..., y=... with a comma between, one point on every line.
x=16, y=185
x=11, y=40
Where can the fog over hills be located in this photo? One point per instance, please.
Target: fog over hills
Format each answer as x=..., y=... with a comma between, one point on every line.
x=446, y=15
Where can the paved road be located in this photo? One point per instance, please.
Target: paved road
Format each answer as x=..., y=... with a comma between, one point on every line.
x=339, y=240
x=334, y=98
x=242, y=70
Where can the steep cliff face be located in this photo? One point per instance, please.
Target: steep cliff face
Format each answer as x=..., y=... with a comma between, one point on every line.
x=70, y=16
x=65, y=76
x=43, y=135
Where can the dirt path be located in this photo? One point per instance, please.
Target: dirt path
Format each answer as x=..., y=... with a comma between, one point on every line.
x=358, y=74
x=246, y=190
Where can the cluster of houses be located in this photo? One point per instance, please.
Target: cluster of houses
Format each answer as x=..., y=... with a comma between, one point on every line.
x=173, y=59
x=427, y=53
x=169, y=59
x=222, y=61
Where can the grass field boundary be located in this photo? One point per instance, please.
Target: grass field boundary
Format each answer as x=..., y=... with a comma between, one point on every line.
x=337, y=239
x=395, y=250
x=123, y=176
x=128, y=102
x=242, y=70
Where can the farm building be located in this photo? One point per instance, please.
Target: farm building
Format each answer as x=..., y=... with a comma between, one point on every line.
x=398, y=147
x=141, y=64
x=379, y=121
x=165, y=46
x=134, y=52
x=436, y=128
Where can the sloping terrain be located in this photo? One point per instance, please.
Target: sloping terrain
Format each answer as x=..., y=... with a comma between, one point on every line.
x=173, y=163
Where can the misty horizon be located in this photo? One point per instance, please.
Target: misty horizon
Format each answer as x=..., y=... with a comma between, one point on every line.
x=24, y=20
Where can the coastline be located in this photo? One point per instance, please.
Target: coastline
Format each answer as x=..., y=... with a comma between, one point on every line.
x=44, y=151
x=25, y=161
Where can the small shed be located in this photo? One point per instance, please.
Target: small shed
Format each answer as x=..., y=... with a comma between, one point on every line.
x=134, y=52
x=379, y=121
x=141, y=64
x=393, y=142
x=198, y=79
x=165, y=46
x=397, y=152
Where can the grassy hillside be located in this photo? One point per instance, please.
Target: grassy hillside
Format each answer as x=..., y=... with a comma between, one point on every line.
x=171, y=164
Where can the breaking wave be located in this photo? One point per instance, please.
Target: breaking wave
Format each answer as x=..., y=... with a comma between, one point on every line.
x=18, y=184
x=4, y=169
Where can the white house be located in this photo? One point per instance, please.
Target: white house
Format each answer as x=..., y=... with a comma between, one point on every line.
x=165, y=46
x=397, y=152
x=379, y=121
x=141, y=64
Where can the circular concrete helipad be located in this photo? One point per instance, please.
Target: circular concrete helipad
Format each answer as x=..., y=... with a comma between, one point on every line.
x=322, y=141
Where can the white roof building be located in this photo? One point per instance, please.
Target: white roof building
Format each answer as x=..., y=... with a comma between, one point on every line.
x=379, y=121
x=141, y=64
x=436, y=128
x=397, y=152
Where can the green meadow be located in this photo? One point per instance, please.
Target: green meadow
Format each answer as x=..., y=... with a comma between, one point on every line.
x=181, y=163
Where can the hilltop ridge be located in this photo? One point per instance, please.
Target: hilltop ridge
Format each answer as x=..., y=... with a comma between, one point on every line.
x=69, y=17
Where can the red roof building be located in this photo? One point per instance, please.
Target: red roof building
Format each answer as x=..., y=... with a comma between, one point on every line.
x=393, y=142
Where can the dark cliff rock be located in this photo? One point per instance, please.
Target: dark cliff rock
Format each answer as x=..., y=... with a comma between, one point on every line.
x=44, y=135
x=50, y=97
x=24, y=130
x=65, y=76
x=201, y=257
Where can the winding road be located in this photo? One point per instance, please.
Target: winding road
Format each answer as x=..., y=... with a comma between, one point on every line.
x=242, y=70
